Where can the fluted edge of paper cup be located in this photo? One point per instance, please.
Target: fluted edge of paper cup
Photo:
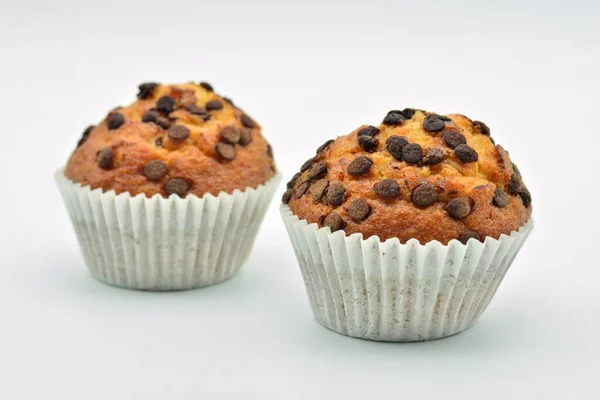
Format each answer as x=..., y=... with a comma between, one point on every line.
x=389, y=291
x=161, y=243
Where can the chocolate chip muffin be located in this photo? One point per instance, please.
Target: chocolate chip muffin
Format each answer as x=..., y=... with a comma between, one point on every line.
x=175, y=139
x=417, y=175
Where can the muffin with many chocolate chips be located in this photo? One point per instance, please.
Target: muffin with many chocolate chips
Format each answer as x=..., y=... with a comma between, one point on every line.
x=417, y=175
x=167, y=193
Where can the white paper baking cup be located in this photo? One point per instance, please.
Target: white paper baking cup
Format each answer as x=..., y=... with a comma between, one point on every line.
x=390, y=291
x=165, y=244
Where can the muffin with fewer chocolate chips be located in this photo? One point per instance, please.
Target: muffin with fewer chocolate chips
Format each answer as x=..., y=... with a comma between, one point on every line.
x=168, y=192
x=424, y=212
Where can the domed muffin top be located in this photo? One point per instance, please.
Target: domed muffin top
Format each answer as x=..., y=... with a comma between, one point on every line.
x=418, y=175
x=175, y=139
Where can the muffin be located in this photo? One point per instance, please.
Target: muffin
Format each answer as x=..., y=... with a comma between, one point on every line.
x=168, y=192
x=404, y=231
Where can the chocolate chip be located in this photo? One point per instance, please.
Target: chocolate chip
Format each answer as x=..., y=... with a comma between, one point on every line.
x=213, y=105
x=159, y=141
x=206, y=86
x=105, y=158
x=247, y=121
x=301, y=189
x=179, y=132
x=150, y=116
x=500, y=199
x=318, y=189
x=360, y=166
x=466, y=153
x=359, y=210
x=516, y=169
x=434, y=156
x=324, y=146
x=115, y=121
x=307, y=164
x=196, y=110
x=155, y=170
x=166, y=104
x=334, y=222
x=287, y=196
x=409, y=112
x=395, y=144
x=292, y=181
x=177, y=186
x=525, y=197
x=318, y=170
x=228, y=101
x=163, y=122
x=465, y=236
x=483, y=128
x=369, y=131
x=459, y=207
x=412, y=153
x=85, y=135
x=453, y=138
x=424, y=195
x=387, y=189
x=146, y=90
x=335, y=194
x=368, y=143
x=444, y=118
x=433, y=123
x=515, y=184
x=394, y=117
x=230, y=134
x=245, y=137
x=226, y=151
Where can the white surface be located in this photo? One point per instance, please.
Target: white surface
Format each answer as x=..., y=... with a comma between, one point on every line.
x=306, y=72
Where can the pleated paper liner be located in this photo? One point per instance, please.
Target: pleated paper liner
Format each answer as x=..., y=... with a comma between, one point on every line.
x=390, y=291
x=165, y=244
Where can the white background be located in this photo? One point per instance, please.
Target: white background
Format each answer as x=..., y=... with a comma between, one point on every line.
x=307, y=72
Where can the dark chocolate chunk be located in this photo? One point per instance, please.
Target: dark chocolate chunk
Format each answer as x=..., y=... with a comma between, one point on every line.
x=301, y=189
x=465, y=236
x=146, y=90
x=177, y=186
x=360, y=166
x=412, y=153
x=525, y=197
x=245, y=137
x=115, y=121
x=483, y=128
x=459, y=207
x=368, y=143
x=225, y=151
x=395, y=144
x=516, y=170
x=269, y=150
x=409, y=112
x=105, y=158
x=179, y=132
x=150, y=116
x=335, y=194
x=500, y=199
x=206, y=86
x=515, y=184
x=155, y=170
x=247, y=121
x=292, y=181
x=230, y=134
x=424, y=195
x=213, y=105
x=433, y=123
x=196, y=110
x=166, y=104
x=434, y=156
x=318, y=170
x=359, y=210
x=334, y=222
x=324, y=146
x=158, y=142
x=466, y=153
x=394, y=117
x=307, y=164
x=453, y=138
x=387, y=189
x=444, y=118
x=228, y=101
x=369, y=131
x=85, y=135
x=287, y=196
x=318, y=189
x=163, y=122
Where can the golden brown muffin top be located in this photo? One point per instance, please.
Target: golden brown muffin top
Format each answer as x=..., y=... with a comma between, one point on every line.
x=175, y=139
x=418, y=175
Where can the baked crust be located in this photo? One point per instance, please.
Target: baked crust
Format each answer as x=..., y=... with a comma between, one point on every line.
x=117, y=159
x=490, y=212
